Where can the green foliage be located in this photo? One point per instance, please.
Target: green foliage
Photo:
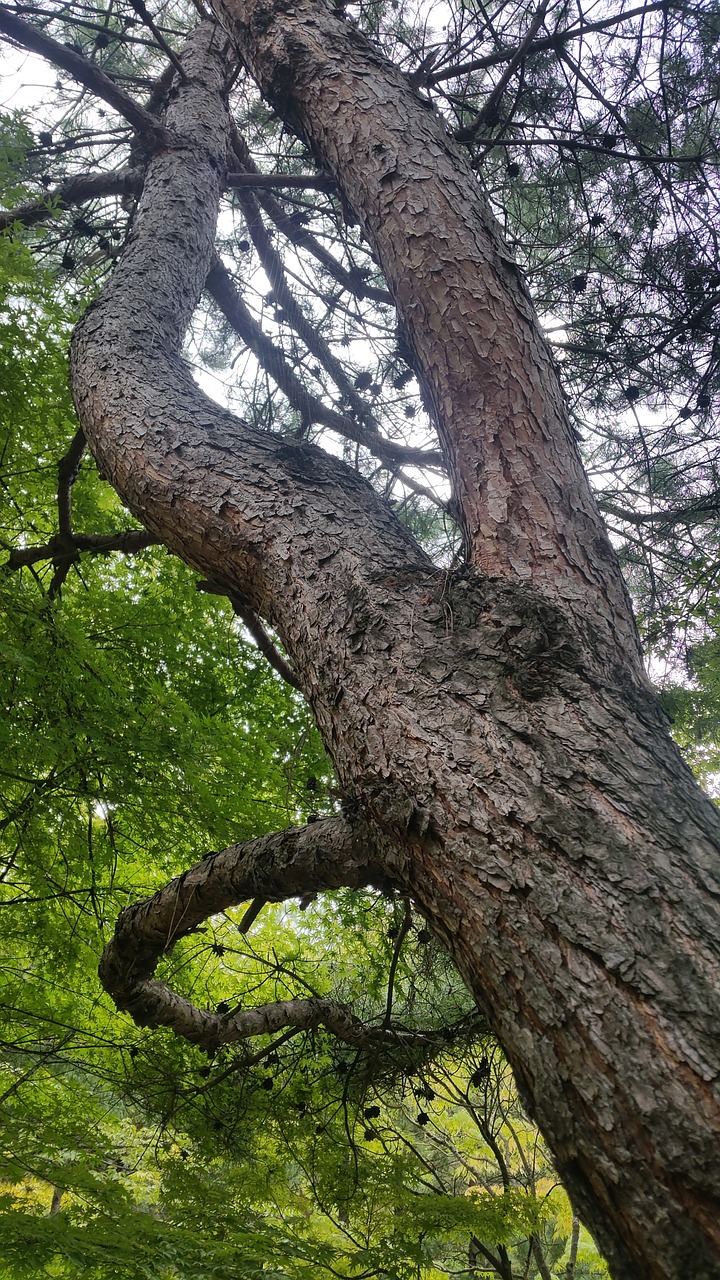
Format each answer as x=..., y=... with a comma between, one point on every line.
x=141, y=729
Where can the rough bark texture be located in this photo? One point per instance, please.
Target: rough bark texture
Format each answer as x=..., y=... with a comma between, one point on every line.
x=481, y=359
x=514, y=781
x=324, y=856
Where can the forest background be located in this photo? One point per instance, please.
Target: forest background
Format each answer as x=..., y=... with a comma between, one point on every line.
x=144, y=725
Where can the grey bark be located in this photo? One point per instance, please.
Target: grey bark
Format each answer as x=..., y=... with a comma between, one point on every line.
x=491, y=729
x=574, y=1243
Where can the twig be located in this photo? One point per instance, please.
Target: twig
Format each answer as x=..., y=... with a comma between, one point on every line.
x=470, y=131
x=142, y=13
x=402, y=934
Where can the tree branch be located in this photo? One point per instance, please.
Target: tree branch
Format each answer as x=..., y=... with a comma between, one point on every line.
x=547, y=42
x=470, y=132
x=85, y=72
x=143, y=14
x=402, y=934
x=87, y=186
x=328, y=854
x=698, y=511
x=93, y=186
x=128, y=540
x=275, y=272
x=262, y=181
x=251, y=620
x=300, y=235
x=222, y=289
x=68, y=468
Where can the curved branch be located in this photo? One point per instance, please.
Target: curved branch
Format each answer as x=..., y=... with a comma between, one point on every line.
x=328, y=854
x=489, y=383
x=216, y=490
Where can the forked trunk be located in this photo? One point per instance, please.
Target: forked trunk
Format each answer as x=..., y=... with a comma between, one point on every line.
x=491, y=727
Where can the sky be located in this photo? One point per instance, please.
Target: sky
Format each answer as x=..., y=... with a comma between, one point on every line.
x=26, y=81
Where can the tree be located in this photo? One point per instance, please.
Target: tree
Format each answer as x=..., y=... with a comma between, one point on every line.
x=500, y=755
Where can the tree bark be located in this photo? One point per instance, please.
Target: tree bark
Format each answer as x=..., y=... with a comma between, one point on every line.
x=491, y=729
x=485, y=369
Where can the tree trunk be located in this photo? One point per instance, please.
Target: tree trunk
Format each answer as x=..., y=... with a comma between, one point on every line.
x=491, y=728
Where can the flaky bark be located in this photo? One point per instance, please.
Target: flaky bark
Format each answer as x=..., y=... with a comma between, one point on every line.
x=328, y=854
x=324, y=856
x=481, y=360
x=513, y=780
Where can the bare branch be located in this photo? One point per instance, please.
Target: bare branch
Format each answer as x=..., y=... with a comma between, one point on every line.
x=328, y=854
x=87, y=186
x=251, y=915
x=698, y=511
x=85, y=72
x=275, y=272
x=222, y=289
x=128, y=540
x=467, y=134
x=143, y=14
x=68, y=468
x=301, y=236
x=251, y=620
x=550, y=42
x=93, y=186
x=260, y=181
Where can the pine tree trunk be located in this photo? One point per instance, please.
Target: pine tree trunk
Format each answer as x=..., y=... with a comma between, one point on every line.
x=492, y=727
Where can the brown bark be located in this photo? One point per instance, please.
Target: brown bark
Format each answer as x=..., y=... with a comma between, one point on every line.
x=512, y=769
x=88, y=186
x=481, y=359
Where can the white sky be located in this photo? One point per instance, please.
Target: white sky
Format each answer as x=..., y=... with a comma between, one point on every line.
x=26, y=81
